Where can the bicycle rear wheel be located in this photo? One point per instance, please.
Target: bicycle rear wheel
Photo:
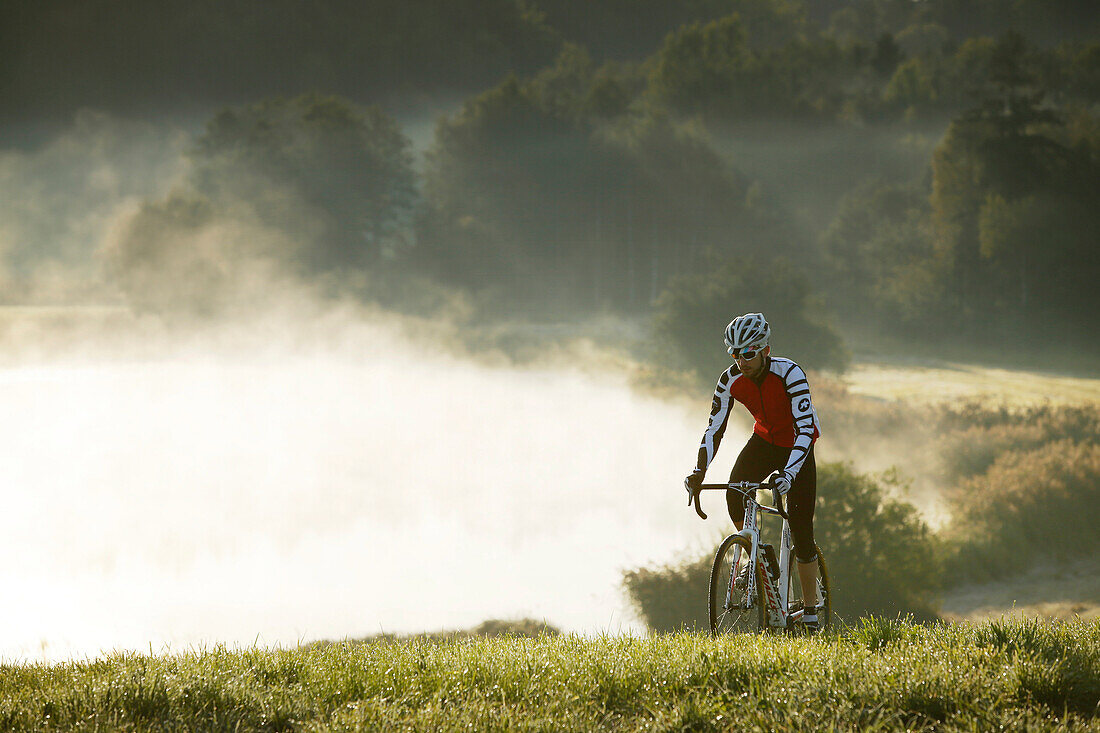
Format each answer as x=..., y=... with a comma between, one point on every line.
x=824, y=592
x=731, y=609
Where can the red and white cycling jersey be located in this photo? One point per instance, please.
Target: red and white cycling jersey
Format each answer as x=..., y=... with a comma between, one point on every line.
x=781, y=404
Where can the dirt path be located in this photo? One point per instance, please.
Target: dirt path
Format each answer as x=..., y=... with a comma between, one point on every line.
x=1053, y=592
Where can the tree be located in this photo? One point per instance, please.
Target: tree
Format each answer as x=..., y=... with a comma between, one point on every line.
x=508, y=185
x=996, y=152
x=140, y=56
x=912, y=86
x=532, y=191
x=887, y=55
x=923, y=40
x=716, y=70
x=309, y=187
x=1082, y=72
x=692, y=312
x=349, y=167
x=708, y=67
x=880, y=259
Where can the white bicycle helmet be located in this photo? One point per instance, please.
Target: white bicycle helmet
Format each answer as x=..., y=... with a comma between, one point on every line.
x=749, y=331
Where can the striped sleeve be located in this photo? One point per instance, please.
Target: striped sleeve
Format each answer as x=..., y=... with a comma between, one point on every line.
x=719, y=416
x=805, y=418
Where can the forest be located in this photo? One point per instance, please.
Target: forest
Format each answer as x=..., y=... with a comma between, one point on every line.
x=877, y=175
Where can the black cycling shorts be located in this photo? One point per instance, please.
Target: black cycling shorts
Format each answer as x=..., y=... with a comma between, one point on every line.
x=757, y=460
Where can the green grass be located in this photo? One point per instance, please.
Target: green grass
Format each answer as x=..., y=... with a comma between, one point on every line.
x=879, y=675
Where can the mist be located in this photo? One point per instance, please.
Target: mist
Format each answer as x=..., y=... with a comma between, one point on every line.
x=59, y=199
x=299, y=467
x=329, y=479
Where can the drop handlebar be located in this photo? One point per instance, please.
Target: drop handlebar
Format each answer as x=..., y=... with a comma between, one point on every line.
x=743, y=487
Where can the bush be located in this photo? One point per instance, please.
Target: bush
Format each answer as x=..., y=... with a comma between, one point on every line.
x=975, y=435
x=879, y=552
x=1029, y=507
x=673, y=596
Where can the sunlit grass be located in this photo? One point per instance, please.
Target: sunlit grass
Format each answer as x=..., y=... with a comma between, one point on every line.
x=962, y=382
x=878, y=675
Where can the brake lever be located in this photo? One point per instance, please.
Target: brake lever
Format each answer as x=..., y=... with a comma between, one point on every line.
x=777, y=499
x=779, y=505
x=698, y=507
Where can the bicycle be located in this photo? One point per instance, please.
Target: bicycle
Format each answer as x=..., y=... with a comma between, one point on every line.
x=770, y=598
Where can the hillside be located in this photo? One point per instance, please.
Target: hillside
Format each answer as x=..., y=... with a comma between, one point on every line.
x=880, y=676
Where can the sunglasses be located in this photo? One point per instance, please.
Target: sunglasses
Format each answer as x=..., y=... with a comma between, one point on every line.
x=745, y=354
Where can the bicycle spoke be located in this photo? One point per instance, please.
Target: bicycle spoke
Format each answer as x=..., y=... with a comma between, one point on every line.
x=731, y=608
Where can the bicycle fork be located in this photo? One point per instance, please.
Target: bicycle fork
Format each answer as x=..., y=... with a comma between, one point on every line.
x=730, y=585
x=775, y=596
x=777, y=616
x=742, y=598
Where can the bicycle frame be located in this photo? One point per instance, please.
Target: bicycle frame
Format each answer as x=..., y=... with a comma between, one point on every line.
x=776, y=599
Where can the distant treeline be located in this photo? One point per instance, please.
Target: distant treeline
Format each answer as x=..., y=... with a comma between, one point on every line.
x=610, y=179
x=60, y=55
x=136, y=56
x=605, y=184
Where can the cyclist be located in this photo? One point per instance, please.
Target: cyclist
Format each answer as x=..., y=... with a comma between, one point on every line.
x=775, y=391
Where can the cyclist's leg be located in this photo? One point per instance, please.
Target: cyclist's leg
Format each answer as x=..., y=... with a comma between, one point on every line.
x=800, y=509
x=755, y=462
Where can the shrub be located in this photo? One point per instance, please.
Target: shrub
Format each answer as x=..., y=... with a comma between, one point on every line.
x=974, y=435
x=673, y=596
x=1030, y=506
x=880, y=552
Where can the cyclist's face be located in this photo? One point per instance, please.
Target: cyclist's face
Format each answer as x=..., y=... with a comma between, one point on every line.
x=752, y=367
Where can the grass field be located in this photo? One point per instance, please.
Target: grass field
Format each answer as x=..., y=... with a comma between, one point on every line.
x=952, y=383
x=881, y=675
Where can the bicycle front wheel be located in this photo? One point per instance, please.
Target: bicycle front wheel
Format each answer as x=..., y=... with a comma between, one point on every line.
x=732, y=611
x=824, y=592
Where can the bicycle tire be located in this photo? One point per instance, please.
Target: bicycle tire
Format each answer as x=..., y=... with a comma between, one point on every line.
x=744, y=617
x=794, y=589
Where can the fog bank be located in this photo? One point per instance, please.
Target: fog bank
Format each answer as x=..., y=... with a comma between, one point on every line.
x=337, y=481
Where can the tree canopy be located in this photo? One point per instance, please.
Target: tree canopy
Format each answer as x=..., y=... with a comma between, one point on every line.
x=531, y=184
x=692, y=312
x=619, y=178
x=313, y=186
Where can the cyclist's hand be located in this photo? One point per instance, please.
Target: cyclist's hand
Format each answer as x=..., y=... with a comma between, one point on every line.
x=693, y=483
x=780, y=482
